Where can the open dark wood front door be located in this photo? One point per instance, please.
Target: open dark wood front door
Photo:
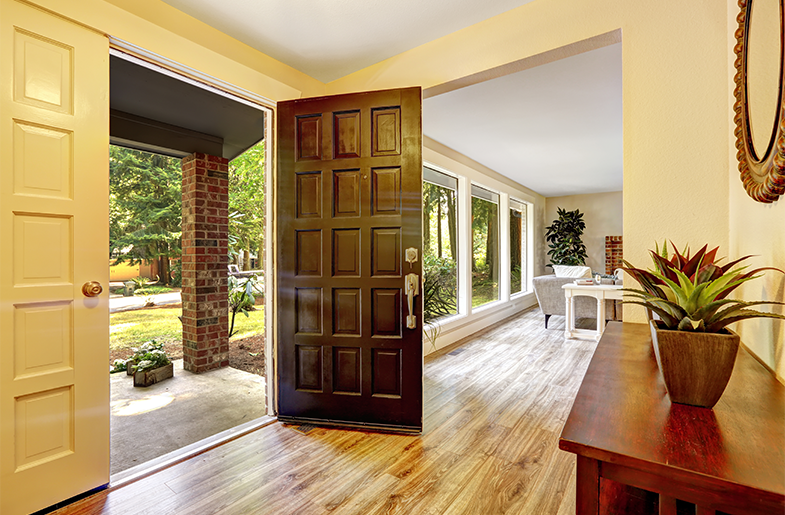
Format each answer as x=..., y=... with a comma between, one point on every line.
x=349, y=206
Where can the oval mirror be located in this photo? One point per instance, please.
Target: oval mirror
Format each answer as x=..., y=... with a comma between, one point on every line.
x=760, y=108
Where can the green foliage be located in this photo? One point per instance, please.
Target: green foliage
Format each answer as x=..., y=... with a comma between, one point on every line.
x=241, y=296
x=246, y=201
x=439, y=206
x=564, y=238
x=149, y=356
x=440, y=287
x=145, y=211
x=177, y=273
x=689, y=293
x=119, y=365
x=152, y=290
x=485, y=240
x=142, y=282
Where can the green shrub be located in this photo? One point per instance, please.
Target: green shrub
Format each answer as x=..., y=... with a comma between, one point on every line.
x=440, y=287
x=152, y=290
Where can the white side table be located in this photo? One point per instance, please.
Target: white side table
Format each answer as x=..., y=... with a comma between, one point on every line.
x=601, y=292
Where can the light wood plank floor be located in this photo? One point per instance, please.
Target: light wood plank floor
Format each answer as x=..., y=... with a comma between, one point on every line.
x=494, y=408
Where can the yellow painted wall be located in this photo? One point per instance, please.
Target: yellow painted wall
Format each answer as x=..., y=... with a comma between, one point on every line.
x=123, y=271
x=757, y=229
x=602, y=213
x=159, y=28
x=675, y=87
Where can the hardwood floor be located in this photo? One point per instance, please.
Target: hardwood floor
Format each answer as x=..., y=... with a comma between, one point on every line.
x=494, y=409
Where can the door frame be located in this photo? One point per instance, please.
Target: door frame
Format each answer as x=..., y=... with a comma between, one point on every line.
x=199, y=79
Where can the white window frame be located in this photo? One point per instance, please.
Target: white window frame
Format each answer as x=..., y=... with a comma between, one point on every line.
x=468, y=319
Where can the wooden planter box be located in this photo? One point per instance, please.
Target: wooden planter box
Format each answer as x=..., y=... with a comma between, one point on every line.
x=148, y=377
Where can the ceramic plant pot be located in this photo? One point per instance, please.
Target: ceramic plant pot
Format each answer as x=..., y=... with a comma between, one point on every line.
x=696, y=367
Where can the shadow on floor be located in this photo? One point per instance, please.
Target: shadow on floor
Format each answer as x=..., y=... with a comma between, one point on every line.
x=149, y=422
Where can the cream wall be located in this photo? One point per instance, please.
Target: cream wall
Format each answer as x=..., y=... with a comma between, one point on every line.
x=757, y=229
x=602, y=213
x=675, y=87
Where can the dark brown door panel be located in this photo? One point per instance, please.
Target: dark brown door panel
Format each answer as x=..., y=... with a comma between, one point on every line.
x=349, y=203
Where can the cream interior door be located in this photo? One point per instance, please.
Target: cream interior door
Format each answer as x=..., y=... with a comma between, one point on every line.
x=54, y=145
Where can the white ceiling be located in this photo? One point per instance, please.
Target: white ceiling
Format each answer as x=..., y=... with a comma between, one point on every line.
x=330, y=39
x=556, y=128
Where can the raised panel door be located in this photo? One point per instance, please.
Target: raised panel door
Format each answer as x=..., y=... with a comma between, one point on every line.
x=54, y=217
x=349, y=203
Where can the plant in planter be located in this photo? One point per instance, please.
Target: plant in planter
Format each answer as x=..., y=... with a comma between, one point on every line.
x=564, y=238
x=150, y=364
x=694, y=348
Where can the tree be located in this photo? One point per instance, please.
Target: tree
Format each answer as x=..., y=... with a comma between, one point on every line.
x=145, y=208
x=485, y=236
x=246, y=203
x=564, y=238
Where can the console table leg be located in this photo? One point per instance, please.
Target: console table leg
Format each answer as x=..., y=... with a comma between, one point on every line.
x=700, y=510
x=587, y=487
x=667, y=505
x=600, y=317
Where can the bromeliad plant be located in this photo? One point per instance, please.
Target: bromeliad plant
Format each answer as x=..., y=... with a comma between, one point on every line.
x=689, y=293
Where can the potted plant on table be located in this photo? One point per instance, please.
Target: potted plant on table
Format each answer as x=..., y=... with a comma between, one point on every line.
x=694, y=348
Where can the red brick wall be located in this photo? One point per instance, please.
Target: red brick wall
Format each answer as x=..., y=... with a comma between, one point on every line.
x=613, y=253
x=205, y=258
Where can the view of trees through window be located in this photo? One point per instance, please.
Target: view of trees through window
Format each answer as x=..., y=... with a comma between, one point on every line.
x=485, y=246
x=440, y=245
x=145, y=197
x=517, y=246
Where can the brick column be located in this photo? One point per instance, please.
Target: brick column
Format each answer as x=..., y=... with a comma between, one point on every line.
x=205, y=260
x=613, y=253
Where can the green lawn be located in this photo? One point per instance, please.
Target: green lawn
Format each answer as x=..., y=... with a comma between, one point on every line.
x=132, y=328
x=483, y=292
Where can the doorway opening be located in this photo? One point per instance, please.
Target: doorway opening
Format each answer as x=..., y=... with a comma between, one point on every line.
x=146, y=319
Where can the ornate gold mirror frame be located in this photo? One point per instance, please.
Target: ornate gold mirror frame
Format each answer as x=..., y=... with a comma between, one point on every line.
x=762, y=169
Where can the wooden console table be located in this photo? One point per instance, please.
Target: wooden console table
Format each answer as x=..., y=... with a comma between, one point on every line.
x=624, y=428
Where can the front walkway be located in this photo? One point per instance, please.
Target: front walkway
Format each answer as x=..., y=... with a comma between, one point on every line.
x=149, y=422
x=120, y=303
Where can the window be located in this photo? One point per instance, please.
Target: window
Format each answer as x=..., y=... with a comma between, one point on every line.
x=517, y=246
x=485, y=246
x=440, y=245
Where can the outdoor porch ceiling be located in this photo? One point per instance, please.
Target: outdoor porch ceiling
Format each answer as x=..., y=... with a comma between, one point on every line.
x=156, y=110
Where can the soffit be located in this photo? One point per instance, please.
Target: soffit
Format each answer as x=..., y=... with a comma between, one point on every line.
x=177, y=116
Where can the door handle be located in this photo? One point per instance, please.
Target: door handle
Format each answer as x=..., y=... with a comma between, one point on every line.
x=412, y=287
x=92, y=289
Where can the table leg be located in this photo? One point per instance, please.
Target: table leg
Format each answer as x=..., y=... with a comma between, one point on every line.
x=600, y=317
x=667, y=505
x=587, y=486
x=569, y=324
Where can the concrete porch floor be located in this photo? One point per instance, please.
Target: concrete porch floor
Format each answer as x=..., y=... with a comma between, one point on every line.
x=149, y=422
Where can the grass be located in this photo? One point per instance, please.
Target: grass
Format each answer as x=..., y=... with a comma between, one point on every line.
x=132, y=328
x=153, y=290
x=483, y=292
